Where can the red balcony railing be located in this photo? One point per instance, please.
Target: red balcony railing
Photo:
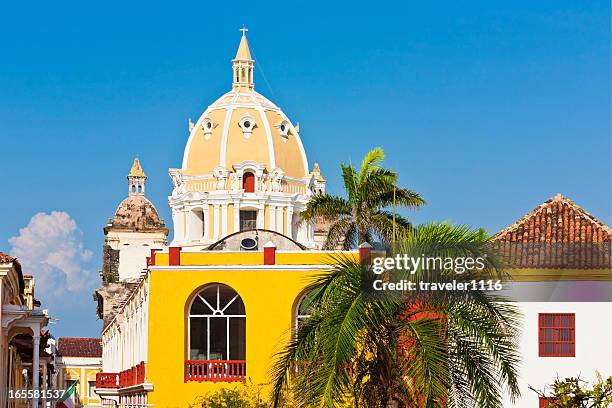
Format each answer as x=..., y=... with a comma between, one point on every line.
x=215, y=370
x=107, y=380
x=126, y=378
x=132, y=376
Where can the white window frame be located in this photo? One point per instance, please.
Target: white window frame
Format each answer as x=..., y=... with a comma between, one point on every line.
x=300, y=317
x=217, y=311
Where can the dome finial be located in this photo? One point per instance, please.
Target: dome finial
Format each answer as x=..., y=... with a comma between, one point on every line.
x=243, y=63
x=136, y=169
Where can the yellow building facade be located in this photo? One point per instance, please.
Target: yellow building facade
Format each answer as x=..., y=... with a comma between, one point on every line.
x=204, y=320
x=78, y=360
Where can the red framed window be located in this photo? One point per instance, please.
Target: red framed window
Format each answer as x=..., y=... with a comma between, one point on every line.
x=557, y=334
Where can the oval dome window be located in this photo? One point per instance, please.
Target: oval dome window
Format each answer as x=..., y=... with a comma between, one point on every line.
x=248, y=244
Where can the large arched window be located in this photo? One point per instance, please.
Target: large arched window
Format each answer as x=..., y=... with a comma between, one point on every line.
x=303, y=309
x=217, y=325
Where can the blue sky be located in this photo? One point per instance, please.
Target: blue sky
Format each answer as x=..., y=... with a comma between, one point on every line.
x=486, y=108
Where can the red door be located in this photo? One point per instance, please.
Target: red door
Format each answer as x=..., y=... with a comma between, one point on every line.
x=248, y=182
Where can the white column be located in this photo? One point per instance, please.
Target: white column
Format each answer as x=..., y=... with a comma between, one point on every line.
x=178, y=218
x=225, y=221
x=260, y=216
x=216, y=217
x=273, y=217
x=236, y=216
x=288, y=222
x=279, y=220
x=301, y=235
x=36, y=366
x=205, y=226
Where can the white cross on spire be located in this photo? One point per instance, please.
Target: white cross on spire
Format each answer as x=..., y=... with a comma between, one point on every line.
x=244, y=30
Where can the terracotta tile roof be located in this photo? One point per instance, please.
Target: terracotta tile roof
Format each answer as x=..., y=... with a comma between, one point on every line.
x=79, y=347
x=557, y=234
x=5, y=258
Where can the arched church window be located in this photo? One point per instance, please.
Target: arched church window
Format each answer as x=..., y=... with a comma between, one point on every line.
x=217, y=325
x=140, y=189
x=133, y=188
x=248, y=182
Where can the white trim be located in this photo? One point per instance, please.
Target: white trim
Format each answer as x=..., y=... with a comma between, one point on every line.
x=279, y=219
x=216, y=313
x=299, y=142
x=223, y=145
x=272, y=225
x=266, y=124
x=79, y=361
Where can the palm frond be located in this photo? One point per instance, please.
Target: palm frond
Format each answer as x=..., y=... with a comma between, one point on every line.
x=403, y=198
x=326, y=206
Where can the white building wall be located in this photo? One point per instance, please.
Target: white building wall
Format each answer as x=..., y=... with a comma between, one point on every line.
x=593, y=347
x=134, y=248
x=125, y=340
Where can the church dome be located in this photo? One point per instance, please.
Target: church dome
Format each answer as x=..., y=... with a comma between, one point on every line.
x=137, y=213
x=243, y=126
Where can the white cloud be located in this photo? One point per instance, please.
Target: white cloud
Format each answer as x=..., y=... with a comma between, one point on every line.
x=51, y=249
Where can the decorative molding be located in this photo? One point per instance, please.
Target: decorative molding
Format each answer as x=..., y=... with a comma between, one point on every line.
x=247, y=123
x=208, y=125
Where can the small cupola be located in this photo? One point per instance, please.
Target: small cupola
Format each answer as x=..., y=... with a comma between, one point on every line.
x=243, y=64
x=136, y=179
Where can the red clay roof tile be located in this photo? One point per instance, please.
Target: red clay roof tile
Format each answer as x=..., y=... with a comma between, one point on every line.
x=79, y=347
x=557, y=234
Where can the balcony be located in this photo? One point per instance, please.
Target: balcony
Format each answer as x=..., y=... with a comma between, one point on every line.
x=127, y=378
x=107, y=380
x=215, y=370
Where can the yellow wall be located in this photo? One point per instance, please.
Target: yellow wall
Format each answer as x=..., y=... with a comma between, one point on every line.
x=200, y=160
x=83, y=375
x=239, y=147
x=286, y=150
x=269, y=297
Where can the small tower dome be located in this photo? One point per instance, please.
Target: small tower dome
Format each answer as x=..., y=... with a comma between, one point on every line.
x=134, y=230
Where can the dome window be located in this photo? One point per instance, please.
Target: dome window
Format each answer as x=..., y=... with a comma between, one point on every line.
x=207, y=126
x=247, y=123
x=283, y=129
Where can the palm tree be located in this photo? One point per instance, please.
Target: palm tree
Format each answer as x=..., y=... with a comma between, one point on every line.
x=420, y=349
x=363, y=215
